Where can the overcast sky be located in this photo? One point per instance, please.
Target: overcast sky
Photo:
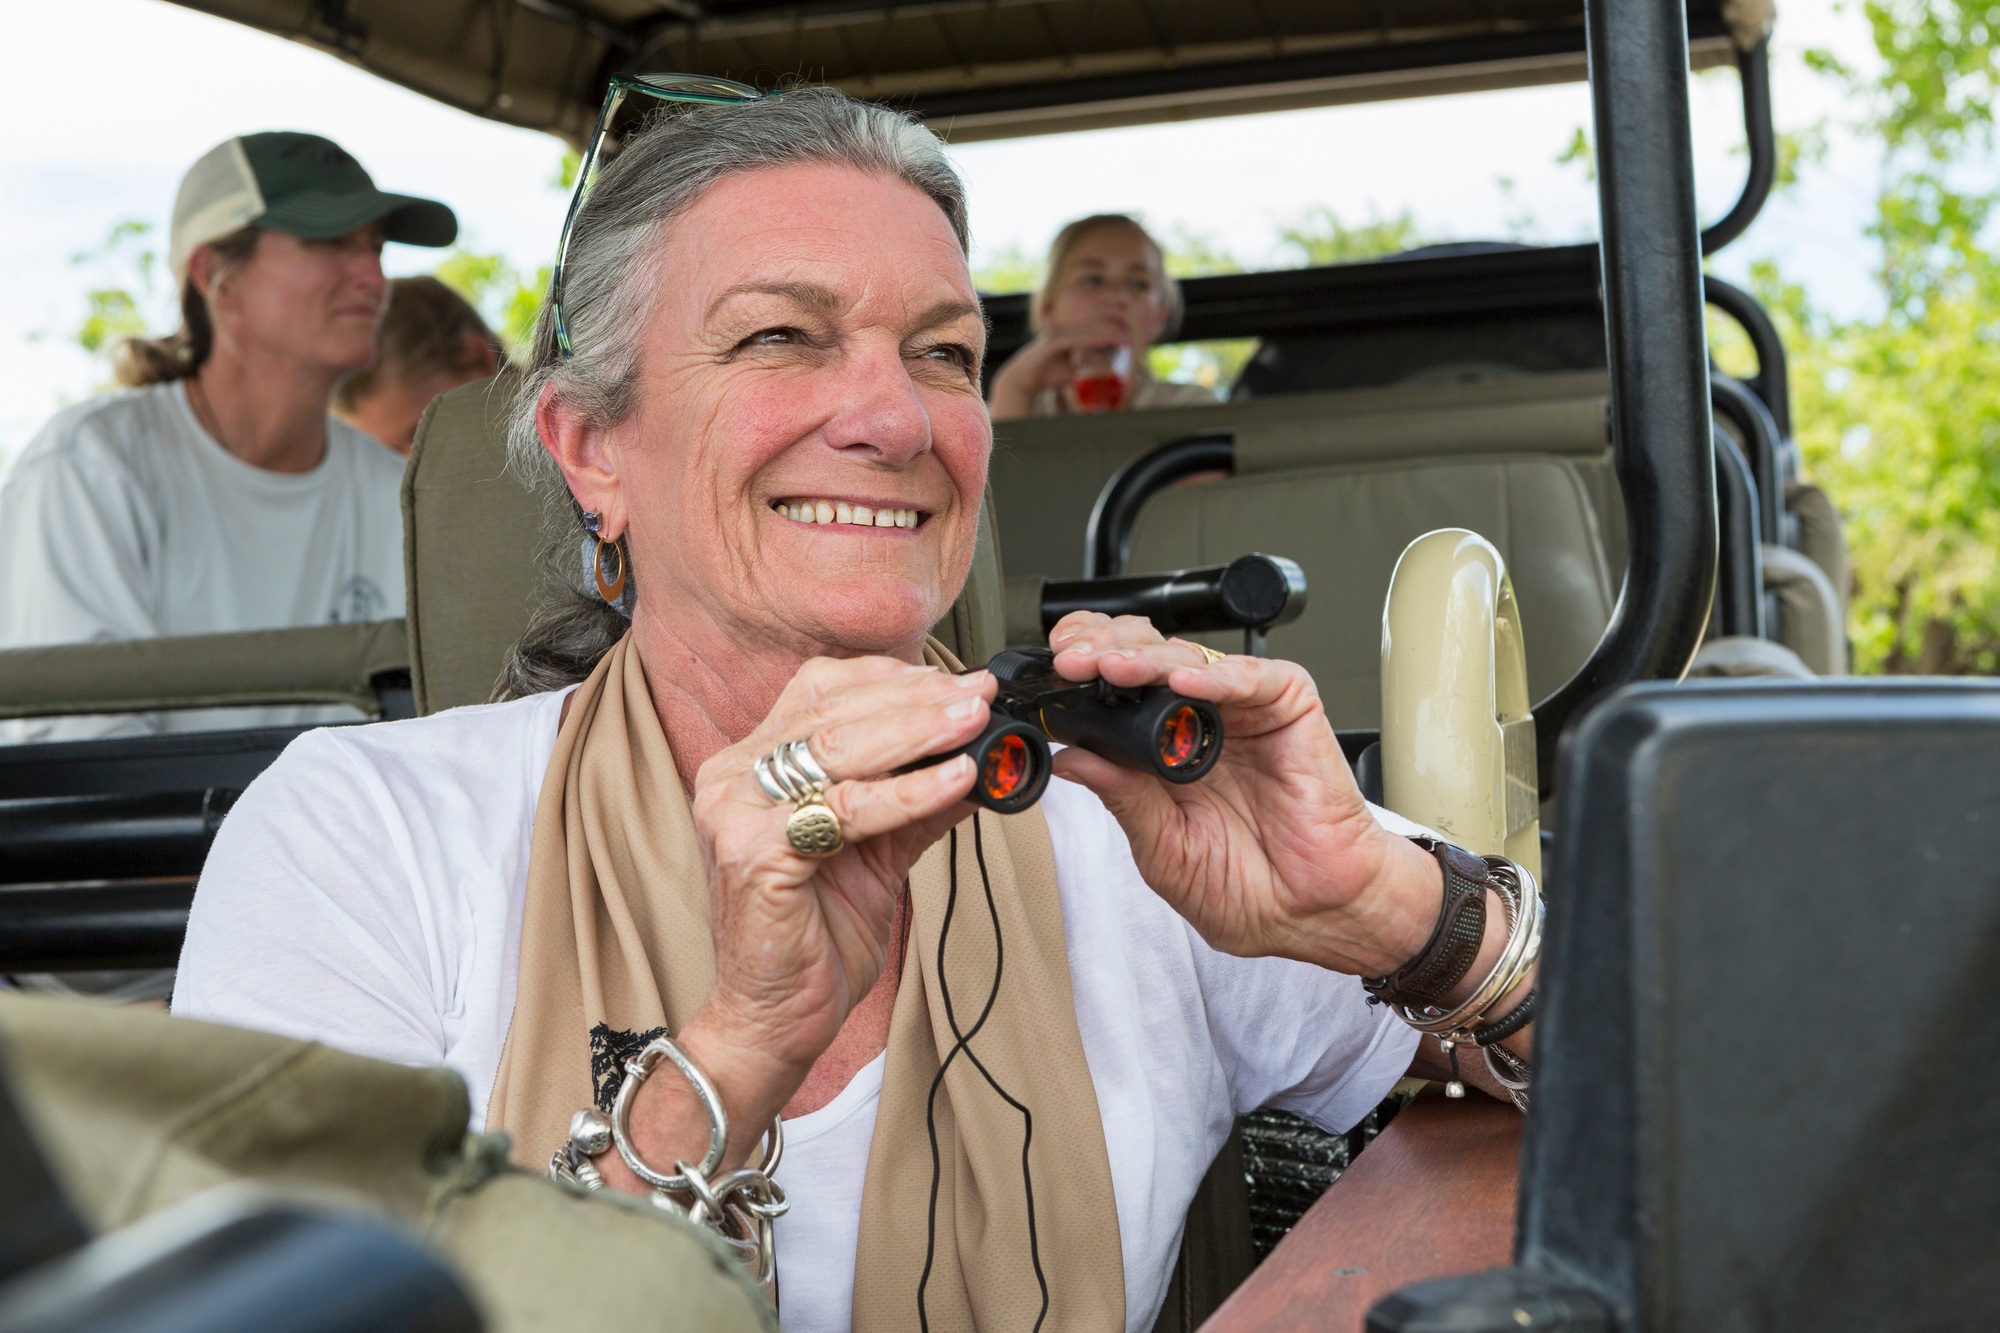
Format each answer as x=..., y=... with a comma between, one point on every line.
x=104, y=103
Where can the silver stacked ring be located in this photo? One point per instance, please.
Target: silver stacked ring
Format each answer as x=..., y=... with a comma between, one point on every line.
x=790, y=774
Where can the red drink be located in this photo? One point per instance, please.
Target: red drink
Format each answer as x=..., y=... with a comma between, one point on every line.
x=1100, y=393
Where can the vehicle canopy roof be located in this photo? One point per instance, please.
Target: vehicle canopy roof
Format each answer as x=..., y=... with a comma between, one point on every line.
x=976, y=69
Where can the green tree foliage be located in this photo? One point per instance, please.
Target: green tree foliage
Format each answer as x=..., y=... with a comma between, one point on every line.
x=127, y=290
x=1007, y=271
x=1319, y=236
x=1899, y=415
x=507, y=299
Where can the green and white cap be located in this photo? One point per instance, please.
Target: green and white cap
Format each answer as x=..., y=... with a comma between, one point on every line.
x=296, y=183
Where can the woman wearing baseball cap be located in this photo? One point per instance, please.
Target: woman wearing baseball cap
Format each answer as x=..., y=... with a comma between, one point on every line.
x=216, y=493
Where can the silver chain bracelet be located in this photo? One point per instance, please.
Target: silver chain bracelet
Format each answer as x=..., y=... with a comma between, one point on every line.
x=738, y=1206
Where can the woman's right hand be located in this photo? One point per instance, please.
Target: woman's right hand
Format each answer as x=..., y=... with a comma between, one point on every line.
x=800, y=940
x=1044, y=363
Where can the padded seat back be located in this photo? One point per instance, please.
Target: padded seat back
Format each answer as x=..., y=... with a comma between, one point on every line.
x=1524, y=463
x=1048, y=471
x=472, y=543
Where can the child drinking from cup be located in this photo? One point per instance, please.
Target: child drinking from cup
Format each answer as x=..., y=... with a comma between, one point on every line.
x=1106, y=299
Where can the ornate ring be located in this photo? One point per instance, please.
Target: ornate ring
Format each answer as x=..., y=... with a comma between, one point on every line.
x=814, y=830
x=1206, y=651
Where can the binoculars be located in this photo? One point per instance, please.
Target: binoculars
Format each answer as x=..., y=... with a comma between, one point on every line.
x=1151, y=729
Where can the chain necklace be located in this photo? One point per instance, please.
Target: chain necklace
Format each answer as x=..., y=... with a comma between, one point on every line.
x=204, y=414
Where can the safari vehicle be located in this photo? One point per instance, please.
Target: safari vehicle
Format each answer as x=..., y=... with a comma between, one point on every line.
x=1758, y=1062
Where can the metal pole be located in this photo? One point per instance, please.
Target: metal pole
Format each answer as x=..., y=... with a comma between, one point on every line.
x=1772, y=382
x=1754, y=66
x=1737, y=405
x=1739, y=585
x=1662, y=436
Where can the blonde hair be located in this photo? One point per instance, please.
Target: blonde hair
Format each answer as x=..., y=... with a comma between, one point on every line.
x=1063, y=248
x=425, y=328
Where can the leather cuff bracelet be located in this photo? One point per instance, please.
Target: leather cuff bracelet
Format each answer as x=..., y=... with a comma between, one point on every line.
x=1453, y=947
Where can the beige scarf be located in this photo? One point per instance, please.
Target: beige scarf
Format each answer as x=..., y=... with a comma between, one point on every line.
x=615, y=948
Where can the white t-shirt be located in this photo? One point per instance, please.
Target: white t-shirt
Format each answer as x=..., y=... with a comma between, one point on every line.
x=367, y=892
x=124, y=519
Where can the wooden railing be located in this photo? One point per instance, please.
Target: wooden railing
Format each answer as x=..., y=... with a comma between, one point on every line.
x=1432, y=1196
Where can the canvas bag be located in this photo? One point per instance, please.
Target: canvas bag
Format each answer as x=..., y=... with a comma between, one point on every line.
x=137, y=1111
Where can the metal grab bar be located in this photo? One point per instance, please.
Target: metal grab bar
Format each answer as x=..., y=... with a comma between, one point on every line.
x=1663, y=435
x=1458, y=739
x=1108, y=538
x=1754, y=68
x=94, y=927
x=1772, y=382
x=1761, y=447
x=60, y=839
x=1739, y=583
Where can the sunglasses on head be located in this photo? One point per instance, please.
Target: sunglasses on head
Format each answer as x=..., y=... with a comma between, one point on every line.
x=700, y=88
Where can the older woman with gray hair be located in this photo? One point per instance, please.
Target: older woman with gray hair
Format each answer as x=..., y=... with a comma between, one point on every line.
x=686, y=902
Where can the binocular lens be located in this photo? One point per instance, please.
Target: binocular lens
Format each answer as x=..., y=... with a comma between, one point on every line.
x=1013, y=765
x=1183, y=738
x=1007, y=768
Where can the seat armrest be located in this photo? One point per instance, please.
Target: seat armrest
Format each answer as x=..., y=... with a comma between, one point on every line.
x=361, y=666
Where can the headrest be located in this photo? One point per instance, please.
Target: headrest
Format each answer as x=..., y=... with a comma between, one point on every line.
x=471, y=534
x=1543, y=414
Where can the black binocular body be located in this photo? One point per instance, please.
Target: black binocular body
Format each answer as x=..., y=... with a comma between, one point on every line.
x=1151, y=729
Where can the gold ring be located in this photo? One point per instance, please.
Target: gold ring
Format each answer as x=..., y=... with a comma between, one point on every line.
x=1207, y=652
x=814, y=830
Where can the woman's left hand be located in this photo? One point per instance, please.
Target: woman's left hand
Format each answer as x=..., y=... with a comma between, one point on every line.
x=1274, y=851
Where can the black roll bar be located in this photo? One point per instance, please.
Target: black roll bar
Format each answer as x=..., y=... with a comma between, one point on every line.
x=1772, y=382
x=143, y=835
x=1662, y=433
x=1108, y=538
x=1761, y=445
x=1251, y=592
x=94, y=927
x=1754, y=68
x=1739, y=584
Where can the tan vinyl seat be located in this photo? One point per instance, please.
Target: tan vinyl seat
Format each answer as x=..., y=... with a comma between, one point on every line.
x=472, y=538
x=1342, y=483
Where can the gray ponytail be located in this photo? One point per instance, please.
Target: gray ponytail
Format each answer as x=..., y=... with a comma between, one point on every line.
x=609, y=287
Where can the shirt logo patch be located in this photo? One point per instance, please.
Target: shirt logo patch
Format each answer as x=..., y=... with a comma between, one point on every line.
x=358, y=601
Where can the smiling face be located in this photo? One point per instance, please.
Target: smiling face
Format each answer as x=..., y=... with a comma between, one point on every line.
x=313, y=302
x=1111, y=275
x=804, y=463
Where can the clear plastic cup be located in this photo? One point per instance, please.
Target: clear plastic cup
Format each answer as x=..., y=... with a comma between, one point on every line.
x=1101, y=377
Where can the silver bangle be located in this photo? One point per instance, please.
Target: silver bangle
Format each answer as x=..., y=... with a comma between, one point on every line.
x=1510, y=1071
x=1522, y=901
